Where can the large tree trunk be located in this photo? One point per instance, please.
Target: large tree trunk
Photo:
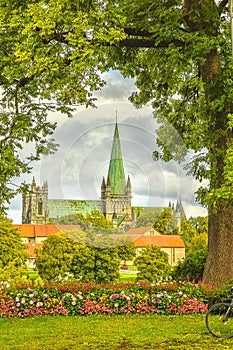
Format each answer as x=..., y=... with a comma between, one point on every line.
x=219, y=264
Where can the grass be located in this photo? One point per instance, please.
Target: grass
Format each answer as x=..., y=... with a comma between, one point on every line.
x=132, y=267
x=124, y=277
x=109, y=333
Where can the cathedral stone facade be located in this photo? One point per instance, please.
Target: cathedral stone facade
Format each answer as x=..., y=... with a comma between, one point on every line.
x=35, y=204
x=115, y=202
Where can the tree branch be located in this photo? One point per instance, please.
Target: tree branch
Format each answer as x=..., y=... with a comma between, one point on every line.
x=222, y=5
x=134, y=43
x=136, y=32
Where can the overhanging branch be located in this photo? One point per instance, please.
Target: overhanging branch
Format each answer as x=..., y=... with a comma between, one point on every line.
x=134, y=43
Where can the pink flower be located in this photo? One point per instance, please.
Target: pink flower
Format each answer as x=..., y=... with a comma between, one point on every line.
x=115, y=296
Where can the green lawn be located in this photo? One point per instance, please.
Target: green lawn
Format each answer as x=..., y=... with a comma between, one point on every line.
x=126, y=277
x=109, y=332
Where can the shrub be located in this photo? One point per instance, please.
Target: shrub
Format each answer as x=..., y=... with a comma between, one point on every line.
x=192, y=267
x=152, y=264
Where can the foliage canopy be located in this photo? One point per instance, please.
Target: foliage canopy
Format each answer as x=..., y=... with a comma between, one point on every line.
x=12, y=250
x=152, y=264
x=89, y=258
x=54, y=259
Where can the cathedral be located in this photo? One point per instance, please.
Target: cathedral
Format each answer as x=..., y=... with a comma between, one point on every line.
x=115, y=202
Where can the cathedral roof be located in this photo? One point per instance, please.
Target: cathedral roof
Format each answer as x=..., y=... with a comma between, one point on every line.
x=116, y=174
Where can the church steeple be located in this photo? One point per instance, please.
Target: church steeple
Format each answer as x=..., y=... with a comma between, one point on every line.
x=116, y=192
x=116, y=174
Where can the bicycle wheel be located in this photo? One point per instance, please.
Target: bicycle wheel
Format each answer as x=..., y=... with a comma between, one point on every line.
x=219, y=320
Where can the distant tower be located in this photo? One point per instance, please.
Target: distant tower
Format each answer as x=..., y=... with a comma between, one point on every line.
x=116, y=193
x=35, y=204
x=179, y=213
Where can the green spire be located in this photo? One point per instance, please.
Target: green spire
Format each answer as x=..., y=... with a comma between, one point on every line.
x=116, y=174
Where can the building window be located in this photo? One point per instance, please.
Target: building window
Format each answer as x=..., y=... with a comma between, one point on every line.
x=173, y=254
x=40, y=208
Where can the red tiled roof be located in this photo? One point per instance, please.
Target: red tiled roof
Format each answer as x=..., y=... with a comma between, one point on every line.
x=165, y=241
x=46, y=230
x=30, y=230
x=25, y=230
x=141, y=230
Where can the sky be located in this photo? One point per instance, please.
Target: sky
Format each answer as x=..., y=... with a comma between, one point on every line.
x=76, y=170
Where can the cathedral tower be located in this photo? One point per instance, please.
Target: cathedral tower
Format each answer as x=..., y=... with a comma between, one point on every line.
x=115, y=192
x=35, y=204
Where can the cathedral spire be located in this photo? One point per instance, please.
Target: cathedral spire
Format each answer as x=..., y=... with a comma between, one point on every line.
x=116, y=172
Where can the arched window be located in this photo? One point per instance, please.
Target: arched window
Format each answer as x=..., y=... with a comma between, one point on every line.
x=40, y=207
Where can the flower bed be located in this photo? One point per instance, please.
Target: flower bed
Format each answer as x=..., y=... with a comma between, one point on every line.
x=87, y=299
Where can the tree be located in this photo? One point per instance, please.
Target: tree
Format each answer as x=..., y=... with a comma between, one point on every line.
x=97, y=260
x=166, y=222
x=126, y=249
x=152, y=264
x=106, y=268
x=12, y=250
x=106, y=259
x=76, y=235
x=195, y=236
x=97, y=219
x=200, y=223
x=179, y=52
x=54, y=260
x=187, y=232
x=83, y=264
x=70, y=219
x=48, y=63
x=192, y=266
x=146, y=216
x=94, y=218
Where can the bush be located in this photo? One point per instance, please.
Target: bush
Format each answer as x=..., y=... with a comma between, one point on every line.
x=12, y=250
x=152, y=264
x=54, y=259
x=192, y=267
